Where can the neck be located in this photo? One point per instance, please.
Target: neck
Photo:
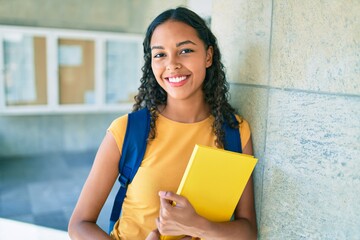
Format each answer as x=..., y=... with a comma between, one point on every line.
x=181, y=111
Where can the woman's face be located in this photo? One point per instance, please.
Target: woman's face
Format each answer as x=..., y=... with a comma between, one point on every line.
x=179, y=60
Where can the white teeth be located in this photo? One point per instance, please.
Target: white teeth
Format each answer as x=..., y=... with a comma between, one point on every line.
x=177, y=79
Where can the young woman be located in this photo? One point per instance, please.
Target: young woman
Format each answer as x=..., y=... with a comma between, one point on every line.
x=185, y=89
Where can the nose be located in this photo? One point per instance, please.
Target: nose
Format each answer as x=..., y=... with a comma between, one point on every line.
x=173, y=67
x=173, y=64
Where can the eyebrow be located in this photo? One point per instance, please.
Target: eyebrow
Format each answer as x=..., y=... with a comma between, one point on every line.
x=177, y=45
x=185, y=42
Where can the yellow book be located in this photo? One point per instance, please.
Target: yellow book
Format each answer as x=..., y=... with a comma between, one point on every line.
x=214, y=181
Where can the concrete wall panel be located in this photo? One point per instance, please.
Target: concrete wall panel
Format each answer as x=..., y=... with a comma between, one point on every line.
x=243, y=30
x=316, y=46
x=311, y=173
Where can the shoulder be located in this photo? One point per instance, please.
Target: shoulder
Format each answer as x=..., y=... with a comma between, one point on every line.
x=118, y=129
x=244, y=128
x=119, y=122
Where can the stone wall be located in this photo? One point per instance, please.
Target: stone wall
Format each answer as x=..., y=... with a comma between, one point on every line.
x=294, y=68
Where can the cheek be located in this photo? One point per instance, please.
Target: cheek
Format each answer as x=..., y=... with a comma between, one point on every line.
x=157, y=73
x=156, y=68
x=201, y=72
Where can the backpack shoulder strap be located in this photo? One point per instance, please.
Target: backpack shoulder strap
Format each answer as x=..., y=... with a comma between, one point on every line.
x=133, y=150
x=232, y=138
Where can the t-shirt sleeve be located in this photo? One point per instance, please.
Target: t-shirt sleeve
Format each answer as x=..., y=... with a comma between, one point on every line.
x=245, y=132
x=118, y=129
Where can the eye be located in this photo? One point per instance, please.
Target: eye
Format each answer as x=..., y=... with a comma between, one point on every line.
x=158, y=55
x=187, y=50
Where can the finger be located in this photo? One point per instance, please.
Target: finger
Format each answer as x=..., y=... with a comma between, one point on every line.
x=187, y=238
x=164, y=204
x=170, y=196
x=157, y=221
x=158, y=225
x=165, y=209
x=153, y=235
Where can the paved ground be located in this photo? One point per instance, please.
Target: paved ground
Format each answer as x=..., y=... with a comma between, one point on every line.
x=43, y=189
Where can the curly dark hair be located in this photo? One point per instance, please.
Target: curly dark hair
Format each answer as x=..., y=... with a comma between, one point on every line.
x=215, y=87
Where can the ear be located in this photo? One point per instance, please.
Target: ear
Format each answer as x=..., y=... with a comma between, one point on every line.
x=209, y=56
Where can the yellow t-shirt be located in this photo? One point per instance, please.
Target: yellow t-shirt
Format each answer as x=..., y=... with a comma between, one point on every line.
x=162, y=168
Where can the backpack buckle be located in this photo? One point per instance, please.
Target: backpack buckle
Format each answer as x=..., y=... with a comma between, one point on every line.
x=124, y=181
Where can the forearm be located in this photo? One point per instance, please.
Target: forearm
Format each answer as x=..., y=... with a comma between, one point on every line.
x=87, y=231
x=237, y=229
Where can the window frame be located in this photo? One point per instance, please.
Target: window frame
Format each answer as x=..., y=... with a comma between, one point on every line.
x=53, y=103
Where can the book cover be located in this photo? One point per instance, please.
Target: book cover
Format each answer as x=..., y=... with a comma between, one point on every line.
x=214, y=181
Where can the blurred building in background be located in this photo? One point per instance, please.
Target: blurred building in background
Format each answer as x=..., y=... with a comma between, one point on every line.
x=68, y=69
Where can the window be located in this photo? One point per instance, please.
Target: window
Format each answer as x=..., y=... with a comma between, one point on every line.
x=121, y=71
x=48, y=70
x=24, y=70
x=76, y=65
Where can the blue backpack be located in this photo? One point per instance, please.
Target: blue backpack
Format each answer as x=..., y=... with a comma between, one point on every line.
x=133, y=150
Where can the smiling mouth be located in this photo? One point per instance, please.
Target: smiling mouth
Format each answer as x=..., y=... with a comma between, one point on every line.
x=176, y=79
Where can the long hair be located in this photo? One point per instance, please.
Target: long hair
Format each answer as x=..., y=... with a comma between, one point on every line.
x=215, y=87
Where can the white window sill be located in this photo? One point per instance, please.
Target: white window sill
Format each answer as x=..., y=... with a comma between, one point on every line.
x=70, y=109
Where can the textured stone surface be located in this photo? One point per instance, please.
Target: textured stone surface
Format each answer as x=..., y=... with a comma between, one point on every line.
x=312, y=172
x=243, y=31
x=307, y=186
x=316, y=45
